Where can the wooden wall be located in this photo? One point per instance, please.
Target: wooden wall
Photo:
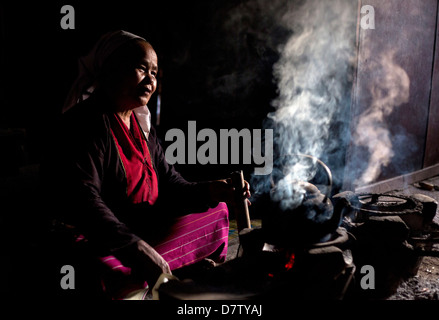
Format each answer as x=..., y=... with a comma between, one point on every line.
x=396, y=86
x=431, y=156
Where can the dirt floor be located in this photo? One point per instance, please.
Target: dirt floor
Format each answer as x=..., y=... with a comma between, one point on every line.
x=423, y=286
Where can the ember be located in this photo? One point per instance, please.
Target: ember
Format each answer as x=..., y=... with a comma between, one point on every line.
x=290, y=263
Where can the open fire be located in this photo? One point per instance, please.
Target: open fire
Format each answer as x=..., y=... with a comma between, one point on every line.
x=318, y=249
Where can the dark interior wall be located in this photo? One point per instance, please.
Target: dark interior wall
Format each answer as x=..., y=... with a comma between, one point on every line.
x=431, y=146
x=215, y=58
x=391, y=107
x=217, y=70
x=39, y=58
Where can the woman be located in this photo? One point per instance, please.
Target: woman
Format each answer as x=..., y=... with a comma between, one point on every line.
x=122, y=196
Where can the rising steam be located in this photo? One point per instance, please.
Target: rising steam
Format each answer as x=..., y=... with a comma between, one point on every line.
x=313, y=76
x=389, y=89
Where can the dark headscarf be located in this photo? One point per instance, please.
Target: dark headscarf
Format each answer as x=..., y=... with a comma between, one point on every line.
x=90, y=67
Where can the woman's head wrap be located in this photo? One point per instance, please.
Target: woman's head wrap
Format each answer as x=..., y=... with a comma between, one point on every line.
x=90, y=66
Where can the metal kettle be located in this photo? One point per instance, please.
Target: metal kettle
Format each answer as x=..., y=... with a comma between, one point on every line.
x=314, y=220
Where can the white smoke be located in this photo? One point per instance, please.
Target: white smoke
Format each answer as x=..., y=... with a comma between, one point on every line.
x=389, y=89
x=312, y=76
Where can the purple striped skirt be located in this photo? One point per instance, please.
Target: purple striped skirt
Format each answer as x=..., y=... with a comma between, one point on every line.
x=190, y=239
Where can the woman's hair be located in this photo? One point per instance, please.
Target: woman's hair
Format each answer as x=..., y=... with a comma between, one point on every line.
x=112, y=47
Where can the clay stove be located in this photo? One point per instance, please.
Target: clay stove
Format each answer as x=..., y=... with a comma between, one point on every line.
x=317, y=250
x=392, y=233
x=301, y=252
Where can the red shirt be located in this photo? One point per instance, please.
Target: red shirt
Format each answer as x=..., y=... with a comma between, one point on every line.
x=142, y=182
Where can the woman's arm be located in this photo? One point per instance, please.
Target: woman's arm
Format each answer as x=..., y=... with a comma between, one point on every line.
x=198, y=196
x=175, y=192
x=85, y=166
x=84, y=149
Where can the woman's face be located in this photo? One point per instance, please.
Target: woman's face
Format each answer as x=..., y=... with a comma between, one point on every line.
x=135, y=79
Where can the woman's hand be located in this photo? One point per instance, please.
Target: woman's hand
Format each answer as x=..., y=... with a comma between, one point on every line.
x=149, y=264
x=223, y=191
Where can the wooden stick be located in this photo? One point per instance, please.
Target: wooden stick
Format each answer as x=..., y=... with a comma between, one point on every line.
x=242, y=214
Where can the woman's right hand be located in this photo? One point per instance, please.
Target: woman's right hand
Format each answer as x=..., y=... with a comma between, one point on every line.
x=147, y=263
x=154, y=263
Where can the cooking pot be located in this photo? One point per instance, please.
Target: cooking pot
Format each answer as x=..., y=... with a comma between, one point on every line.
x=314, y=219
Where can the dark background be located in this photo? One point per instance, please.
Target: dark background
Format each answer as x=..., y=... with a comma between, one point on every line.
x=215, y=60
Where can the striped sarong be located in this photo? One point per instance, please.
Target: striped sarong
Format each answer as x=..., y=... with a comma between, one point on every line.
x=190, y=239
